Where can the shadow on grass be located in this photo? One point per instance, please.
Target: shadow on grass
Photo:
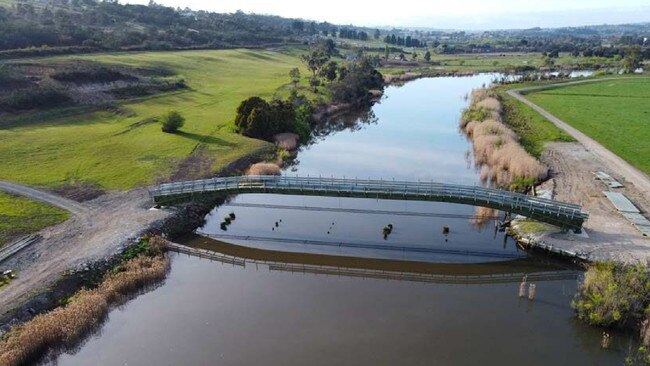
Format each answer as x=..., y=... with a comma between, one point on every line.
x=206, y=139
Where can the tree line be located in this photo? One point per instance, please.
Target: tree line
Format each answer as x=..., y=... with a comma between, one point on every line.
x=407, y=41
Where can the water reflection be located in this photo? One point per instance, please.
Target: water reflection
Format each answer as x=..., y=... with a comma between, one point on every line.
x=422, y=231
x=209, y=313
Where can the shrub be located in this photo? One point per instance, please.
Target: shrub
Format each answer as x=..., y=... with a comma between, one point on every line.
x=172, y=121
x=614, y=295
x=259, y=119
x=355, y=83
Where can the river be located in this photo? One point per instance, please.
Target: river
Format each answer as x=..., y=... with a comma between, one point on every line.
x=282, y=302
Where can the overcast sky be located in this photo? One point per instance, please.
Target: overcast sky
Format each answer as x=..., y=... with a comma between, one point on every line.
x=448, y=14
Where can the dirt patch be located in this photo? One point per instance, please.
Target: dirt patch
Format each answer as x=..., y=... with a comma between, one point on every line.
x=103, y=229
x=608, y=235
x=133, y=126
x=196, y=166
x=80, y=191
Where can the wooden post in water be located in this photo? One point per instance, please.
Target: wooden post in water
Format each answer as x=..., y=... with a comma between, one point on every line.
x=522, y=288
x=531, y=292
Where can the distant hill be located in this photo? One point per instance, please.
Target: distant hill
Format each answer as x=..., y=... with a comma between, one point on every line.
x=82, y=25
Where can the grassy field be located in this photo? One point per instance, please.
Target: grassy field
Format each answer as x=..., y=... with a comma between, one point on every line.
x=20, y=216
x=115, y=151
x=615, y=113
x=492, y=62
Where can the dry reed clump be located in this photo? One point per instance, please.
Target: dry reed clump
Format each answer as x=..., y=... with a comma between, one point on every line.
x=287, y=140
x=493, y=127
x=483, y=215
x=479, y=94
x=490, y=103
x=264, y=169
x=64, y=326
x=496, y=150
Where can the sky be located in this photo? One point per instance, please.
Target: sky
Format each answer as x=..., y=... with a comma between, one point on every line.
x=438, y=14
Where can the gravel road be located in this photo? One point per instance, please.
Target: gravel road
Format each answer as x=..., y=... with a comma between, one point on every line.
x=74, y=207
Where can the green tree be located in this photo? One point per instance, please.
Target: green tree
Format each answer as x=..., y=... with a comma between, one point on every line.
x=172, y=121
x=427, y=56
x=294, y=74
x=330, y=71
x=243, y=122
x=632, y=60
x=314, y=82
x=548, y=61
x=377, y=34
x=386, y=52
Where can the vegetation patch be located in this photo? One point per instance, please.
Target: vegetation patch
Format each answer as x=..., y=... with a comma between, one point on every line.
x=20, y=216
x=496, y=148
x=614, y=295
x=531, y=227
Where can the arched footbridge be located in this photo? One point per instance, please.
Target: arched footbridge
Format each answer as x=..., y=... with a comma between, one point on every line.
x=564, y=215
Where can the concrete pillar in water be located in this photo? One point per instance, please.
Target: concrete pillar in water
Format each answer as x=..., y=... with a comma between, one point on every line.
x=531, y=292
x=522, y=289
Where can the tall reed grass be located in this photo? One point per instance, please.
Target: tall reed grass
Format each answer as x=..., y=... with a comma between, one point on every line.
x=65, y=326
x=496, y=148
x=264, y=169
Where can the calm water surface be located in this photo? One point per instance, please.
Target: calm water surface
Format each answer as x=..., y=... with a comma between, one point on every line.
x=330, y=307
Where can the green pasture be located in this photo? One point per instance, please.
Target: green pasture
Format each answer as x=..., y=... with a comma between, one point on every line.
x=616, y=113
x=20, y=216
x=118, y=149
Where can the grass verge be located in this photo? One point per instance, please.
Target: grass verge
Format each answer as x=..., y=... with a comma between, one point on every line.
x=20, y=216
x=533, y=129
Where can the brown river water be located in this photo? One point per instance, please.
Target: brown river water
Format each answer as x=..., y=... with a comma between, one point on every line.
x=324, y=288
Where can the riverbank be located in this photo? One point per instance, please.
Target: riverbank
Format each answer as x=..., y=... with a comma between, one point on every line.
x=497, y=153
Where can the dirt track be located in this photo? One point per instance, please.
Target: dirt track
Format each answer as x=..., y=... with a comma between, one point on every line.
x=97, y=230
x=74, y=207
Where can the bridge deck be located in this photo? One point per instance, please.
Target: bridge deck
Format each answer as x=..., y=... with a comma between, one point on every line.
x=553, y=212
